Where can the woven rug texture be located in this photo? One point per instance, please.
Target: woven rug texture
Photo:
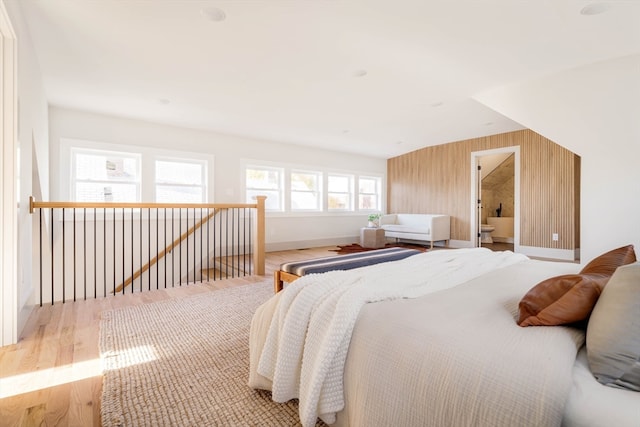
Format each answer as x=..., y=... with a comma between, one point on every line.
x=185, y=362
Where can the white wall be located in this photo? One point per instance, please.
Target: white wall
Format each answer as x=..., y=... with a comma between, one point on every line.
x=34, y=154
x=593, y=111
x=283, y=231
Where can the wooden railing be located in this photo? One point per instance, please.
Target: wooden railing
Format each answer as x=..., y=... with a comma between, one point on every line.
x=90, y=250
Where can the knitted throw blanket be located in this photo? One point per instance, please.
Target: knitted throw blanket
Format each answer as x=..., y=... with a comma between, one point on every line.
x=306, y=346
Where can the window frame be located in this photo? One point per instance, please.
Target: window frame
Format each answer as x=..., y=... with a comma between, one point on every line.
x=74, y=180
x=318, y=191
x=351, y=191
x=203, y=176
x=377, y=193
x=281, y=189
x=63, y=191
x=326, y=172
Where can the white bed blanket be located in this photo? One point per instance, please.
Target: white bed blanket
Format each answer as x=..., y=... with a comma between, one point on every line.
x=306, y=345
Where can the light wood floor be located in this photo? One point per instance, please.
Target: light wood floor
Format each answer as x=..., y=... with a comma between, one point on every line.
x=51, y=377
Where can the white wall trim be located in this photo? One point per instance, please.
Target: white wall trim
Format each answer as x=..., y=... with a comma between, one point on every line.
x=8, y=197
x=556, y=254
x=315, y=243
x=516, y=192
x=459, y=244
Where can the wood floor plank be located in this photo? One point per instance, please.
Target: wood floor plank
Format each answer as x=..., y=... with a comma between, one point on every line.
x=34, y=415
x=55, y=366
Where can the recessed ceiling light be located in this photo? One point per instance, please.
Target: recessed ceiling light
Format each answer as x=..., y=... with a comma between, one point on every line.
x=594, y=9
x=213, y=14
x=360, y=73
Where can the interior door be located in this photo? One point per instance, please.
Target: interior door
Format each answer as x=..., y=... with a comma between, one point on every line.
x=479, y=206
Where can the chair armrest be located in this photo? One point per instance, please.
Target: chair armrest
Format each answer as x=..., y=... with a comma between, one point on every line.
x=440, y=227
x=388, y=219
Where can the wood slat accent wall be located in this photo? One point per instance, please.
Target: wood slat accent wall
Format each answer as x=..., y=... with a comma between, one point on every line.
x=437, y=180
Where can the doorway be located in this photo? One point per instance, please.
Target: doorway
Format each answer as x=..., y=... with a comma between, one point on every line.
x=495, y=198
x=8, y=196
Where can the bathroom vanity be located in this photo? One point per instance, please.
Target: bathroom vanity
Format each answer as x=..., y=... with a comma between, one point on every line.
x=503, y=231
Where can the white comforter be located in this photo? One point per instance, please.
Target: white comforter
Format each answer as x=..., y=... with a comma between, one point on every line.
x=307, y=341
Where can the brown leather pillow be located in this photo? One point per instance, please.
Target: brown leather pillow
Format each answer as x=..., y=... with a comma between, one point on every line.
x=570, y=298
x=607, y=263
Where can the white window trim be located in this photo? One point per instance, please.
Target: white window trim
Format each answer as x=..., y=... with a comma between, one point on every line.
x=74, y=151
x=283, y=188
x=204, y=178
x=288, y=167
x=351, y=192
x=378, y=208
x=149, y=155
x=320, y=177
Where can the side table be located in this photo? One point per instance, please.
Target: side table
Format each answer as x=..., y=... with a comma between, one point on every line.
x=372, y=238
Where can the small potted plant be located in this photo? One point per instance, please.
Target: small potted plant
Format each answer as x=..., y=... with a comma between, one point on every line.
x=374, y=220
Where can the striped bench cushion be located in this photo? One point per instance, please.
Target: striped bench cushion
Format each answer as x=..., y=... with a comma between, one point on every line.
x=347, y=262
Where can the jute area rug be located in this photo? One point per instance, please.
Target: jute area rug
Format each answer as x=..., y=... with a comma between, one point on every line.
x=185, y=362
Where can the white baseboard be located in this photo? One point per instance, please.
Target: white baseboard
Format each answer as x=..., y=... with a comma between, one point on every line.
x=532, y=251
x=459, y=244
x=559, y=254
x=304, y=244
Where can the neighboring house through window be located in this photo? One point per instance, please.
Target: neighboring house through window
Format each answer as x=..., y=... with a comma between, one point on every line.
x=104, y=176
x=102, y=172
x=339, y=192
x=265, y=181
x=180, y=181
x=369, y=193
x=306, y=191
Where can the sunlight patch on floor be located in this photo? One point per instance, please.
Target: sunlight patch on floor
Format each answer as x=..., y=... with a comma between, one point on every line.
x=129, y=357
x=45, y=378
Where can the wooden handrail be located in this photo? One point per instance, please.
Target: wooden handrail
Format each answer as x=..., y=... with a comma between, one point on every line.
x=117, y=205
x=166, y=250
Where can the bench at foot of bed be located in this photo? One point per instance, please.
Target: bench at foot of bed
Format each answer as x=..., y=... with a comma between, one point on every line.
x=291, y=271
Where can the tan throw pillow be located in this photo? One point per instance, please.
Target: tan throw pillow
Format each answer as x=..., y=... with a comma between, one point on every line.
x=613, y=334
x=570, y=298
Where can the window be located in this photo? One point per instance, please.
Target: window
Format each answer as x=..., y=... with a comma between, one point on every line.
x=369, y=193
x=265, y=181
x=290, y=189
x=180, y=181
x=306, y=191
x=339, y=192
x=102, y=172
x=105, y=176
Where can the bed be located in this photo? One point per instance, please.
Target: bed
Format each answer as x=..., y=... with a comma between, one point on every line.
x=429, y=340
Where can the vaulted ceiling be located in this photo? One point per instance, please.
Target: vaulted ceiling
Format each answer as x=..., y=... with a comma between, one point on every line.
x=364, y=76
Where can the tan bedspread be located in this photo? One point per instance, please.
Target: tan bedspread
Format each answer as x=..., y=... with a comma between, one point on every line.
x=455, y=357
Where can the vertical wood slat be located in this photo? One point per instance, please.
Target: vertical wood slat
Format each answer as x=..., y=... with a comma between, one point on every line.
x=436, y=180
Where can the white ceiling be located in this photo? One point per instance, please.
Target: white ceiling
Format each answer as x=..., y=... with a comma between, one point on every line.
x=288, y=70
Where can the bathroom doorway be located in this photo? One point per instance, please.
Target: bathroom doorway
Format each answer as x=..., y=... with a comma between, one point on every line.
x=495, y=203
